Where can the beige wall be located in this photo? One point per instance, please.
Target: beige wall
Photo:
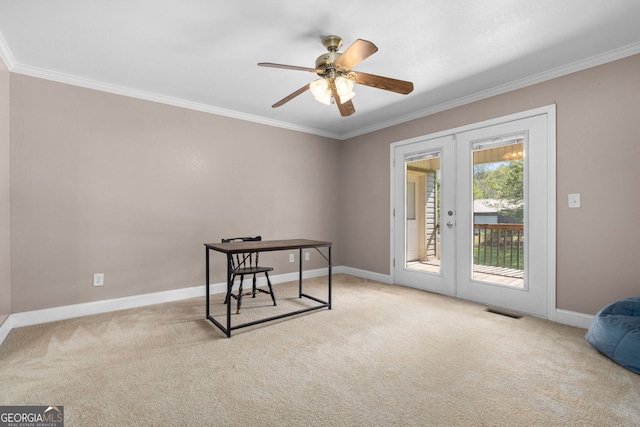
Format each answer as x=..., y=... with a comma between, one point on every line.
x=129, y=188
x=598, y=148
x=108, y=184
x=5, y=260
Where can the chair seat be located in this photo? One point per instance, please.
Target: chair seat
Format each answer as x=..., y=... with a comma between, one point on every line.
x=252, y=270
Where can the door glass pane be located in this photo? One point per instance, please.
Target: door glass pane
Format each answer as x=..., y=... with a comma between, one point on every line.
x=498, y=212
x=423, y=213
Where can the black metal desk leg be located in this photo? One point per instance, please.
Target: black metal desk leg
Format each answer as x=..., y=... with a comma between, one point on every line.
x=229, y=286
x=330, y=274
x=207, y=278
x=300, y=279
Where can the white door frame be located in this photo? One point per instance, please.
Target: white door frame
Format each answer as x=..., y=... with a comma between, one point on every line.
x=550, y=112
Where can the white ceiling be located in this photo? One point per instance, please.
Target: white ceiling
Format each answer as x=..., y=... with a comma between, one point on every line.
x=202, y=54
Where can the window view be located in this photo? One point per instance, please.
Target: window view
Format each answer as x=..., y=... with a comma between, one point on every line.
x=423, y=213
x=498, y=212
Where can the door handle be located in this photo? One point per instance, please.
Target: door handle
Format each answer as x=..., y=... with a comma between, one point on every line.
x=450, y=224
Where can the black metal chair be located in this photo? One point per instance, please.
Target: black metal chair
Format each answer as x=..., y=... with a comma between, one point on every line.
x=247, y=264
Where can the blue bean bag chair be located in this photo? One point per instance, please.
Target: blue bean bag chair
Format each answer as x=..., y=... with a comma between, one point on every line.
x=615, y=332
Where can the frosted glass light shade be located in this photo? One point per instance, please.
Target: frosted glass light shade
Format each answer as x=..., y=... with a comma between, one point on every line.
x=318, y=87
x=344, y=86
x=322, y=92
x=324, y=98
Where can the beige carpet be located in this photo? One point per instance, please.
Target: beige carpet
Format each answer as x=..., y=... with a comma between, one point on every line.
x=383, y=356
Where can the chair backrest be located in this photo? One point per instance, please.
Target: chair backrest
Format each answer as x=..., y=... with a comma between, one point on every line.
x=249, y=259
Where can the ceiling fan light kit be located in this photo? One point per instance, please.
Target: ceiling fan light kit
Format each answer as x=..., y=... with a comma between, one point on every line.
x=337, y=79
x=322, y=89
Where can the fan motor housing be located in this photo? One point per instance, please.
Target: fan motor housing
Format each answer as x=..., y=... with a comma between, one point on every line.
x=326, y=60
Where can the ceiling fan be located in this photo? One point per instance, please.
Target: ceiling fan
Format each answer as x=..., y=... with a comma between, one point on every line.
x=337, y=78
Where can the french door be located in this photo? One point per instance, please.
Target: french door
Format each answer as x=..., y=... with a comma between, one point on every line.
x=432, y=163
x=474, y=212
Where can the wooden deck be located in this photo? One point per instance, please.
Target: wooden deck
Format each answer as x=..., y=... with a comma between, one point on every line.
x=484, y=273
x=503, y=276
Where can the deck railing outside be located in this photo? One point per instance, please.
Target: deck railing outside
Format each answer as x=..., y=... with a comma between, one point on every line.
x=499, y=245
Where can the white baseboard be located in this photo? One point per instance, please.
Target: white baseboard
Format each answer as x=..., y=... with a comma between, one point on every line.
x=291, y=277
x=564, y=317
x=573, y=318
x=5, y=328
x=35, y=317
x=378, y=277
x=53, y=314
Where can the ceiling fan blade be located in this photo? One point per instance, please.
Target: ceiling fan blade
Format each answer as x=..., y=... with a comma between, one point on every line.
x=286, y=99
x=386, y=83
x=288, y=67
x=347, y=108
x=356, y=53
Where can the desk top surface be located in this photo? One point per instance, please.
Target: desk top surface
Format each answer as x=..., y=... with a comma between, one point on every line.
x=266, y=245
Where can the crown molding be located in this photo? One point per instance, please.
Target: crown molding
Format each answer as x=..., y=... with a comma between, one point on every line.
x=162, y=99
x=593, y=61
x=6, y=54
x=564, y=70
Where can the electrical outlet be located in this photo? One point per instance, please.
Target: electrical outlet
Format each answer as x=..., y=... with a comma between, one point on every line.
x=98, y=279
x=306, y=256
x=292, y=258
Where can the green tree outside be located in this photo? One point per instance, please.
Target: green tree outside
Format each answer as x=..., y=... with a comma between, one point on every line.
x=504, y=183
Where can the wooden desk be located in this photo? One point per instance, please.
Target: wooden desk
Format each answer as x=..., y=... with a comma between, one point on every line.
x=265, y=246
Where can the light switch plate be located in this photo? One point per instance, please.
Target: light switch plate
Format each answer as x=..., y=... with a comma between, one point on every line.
x=574, y=200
